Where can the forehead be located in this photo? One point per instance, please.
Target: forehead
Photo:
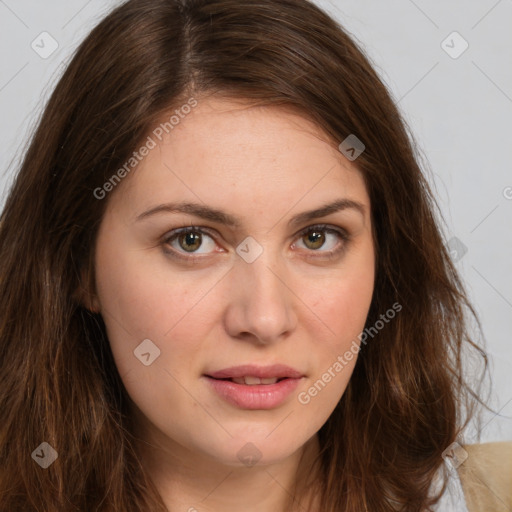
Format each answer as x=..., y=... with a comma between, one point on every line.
x=239, y=157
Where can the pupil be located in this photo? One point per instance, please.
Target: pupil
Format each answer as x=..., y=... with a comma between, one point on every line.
x=191, y=239
x=316, y=238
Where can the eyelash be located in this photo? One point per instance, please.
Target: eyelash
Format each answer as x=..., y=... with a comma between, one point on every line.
x=325, y=255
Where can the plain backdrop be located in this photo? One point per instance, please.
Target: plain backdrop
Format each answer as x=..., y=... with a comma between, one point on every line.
x=446, y=63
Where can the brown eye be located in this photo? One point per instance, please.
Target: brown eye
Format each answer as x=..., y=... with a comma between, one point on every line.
x=325, y=241
x=314, y=239
x=190, y=241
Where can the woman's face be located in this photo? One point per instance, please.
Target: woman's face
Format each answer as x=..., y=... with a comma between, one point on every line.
x=254, y=291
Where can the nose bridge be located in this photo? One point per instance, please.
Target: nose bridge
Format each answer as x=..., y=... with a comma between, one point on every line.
x=265, y=280
x=262, y=301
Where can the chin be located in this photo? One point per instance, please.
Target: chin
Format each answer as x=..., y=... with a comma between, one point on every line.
x=251, y=450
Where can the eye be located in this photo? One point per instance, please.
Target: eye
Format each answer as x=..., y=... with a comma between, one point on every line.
x=184, y=243
x=322, y=236
x=189, y=240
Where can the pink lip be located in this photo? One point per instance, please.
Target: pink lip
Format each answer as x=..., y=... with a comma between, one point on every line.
x=259, y=396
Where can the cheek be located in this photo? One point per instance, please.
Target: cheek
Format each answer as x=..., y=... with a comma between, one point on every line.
x=141, y=294
x=143, y=298
x=334, y=357
x=137, y=303
x=342, y=303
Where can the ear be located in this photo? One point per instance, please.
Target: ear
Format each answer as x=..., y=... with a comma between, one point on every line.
x=85, y=294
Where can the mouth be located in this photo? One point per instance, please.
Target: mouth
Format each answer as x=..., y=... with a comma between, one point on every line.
x=251, y=387
x=252, y=381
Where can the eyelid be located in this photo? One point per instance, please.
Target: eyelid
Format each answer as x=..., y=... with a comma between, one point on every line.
x=323, y=227
x=341, y=232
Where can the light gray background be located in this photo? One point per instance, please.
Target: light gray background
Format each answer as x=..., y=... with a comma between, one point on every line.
x=459, y=110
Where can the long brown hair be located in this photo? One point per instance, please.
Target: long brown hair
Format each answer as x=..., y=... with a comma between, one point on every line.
x=407, y=399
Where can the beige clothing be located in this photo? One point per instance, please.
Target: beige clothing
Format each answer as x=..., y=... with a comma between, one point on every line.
x=486, y=477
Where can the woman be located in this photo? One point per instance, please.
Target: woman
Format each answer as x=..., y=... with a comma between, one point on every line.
x=223, y=281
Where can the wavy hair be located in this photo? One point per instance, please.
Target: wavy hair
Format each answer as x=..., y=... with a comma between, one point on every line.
x=407, y=399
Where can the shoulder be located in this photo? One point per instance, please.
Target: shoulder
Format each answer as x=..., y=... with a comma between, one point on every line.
x=486, y=476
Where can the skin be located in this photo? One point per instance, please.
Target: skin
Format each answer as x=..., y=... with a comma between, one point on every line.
x=292, y=305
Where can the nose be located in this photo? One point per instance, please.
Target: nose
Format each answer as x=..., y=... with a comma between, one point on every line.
x=261, y=306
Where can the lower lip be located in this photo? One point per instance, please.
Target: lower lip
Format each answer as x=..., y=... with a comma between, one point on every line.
x=259, y=396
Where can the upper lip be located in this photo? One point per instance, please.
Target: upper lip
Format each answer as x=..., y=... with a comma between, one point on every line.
x=280, y=371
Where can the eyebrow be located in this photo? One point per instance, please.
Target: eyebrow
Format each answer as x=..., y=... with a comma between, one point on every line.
x=222, y=217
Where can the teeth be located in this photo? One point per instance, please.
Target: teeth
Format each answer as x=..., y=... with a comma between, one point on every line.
x=271, y=380
x=241, y=380
x=252, y=381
